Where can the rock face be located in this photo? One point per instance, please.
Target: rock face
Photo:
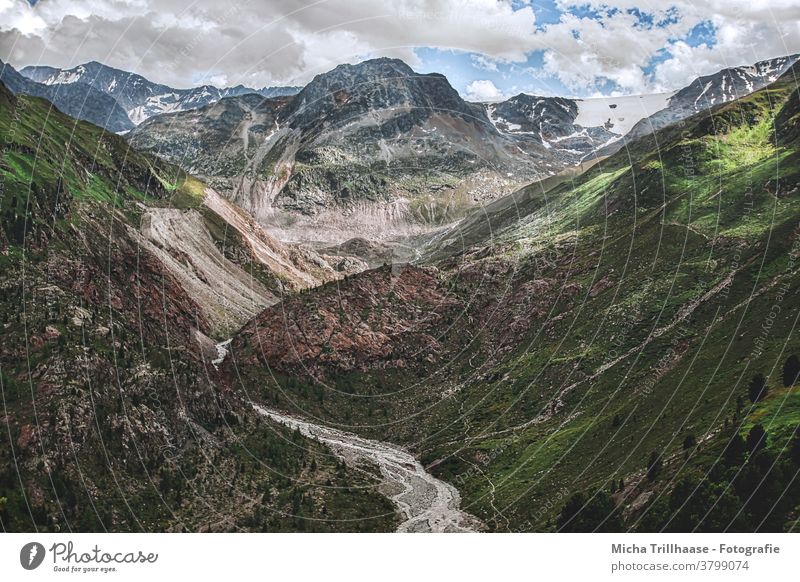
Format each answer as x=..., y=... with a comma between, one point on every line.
x=552, y=122
x=383, y=317
x=215, y=141
x=547, y=116
x=348, y=92
x=227, y=263
x=140, y=98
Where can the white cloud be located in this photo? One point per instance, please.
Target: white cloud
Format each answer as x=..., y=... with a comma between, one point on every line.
x=219, y=80
x=746, y=31
x=20, y=16
x=483, y=62
x=281, y=42
x=253, y=41
x=582, y=51
x=483, y=90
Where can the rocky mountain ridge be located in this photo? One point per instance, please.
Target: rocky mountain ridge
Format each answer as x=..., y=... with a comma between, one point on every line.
x=139, y=97
x=376, y=150
x=372, y=148
x=79, y=101
x=706, y=92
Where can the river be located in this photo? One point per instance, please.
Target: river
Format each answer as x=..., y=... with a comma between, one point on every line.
x=426, y=503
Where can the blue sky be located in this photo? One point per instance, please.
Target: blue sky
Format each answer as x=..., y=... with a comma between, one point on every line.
x=487, y=48
x=528, y=76
x=462, y=68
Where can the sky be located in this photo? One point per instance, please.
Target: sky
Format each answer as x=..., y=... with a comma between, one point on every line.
x=488, y=49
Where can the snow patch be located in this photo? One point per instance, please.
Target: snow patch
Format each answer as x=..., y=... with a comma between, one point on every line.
x=621, y=112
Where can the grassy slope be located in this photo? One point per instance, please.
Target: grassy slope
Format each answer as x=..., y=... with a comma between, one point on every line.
x=665, y=233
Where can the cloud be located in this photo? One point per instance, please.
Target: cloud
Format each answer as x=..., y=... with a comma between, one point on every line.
x=483, y=90
x=282, y=42
x=253, y=41
x=745, y=31
x=483, y=62
x=26, y=21
x=218, y=80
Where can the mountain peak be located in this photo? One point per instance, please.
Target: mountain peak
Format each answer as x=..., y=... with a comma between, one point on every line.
x=371, y=69
x=381, y=62
x=372, y=85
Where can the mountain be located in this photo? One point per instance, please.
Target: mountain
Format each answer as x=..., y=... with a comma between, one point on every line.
x=139, y=97
x=272, y=92
x=706, y=92
x=552, y=121
x=376, y=151
x=369, y=150
x=78, y=101
x=577, y=357
x=214, y=141
x=113, y=421
x=203, y=248
x=596, y=126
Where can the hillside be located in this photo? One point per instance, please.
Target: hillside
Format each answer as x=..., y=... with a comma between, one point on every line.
x=558, y=342
x=111, y=420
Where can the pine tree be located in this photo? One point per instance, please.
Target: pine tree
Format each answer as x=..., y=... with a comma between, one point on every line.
x=756, y=439
x=734, y=450
x=597, y=513
x=794, y=447
x=791, y=371
x=654, y=464
x=758, y=388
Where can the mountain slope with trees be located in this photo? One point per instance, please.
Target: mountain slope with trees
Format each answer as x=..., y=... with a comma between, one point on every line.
x=111, y=421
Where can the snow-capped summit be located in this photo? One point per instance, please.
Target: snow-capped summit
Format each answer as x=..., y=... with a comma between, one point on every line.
x=706, y=92
x=139, y=97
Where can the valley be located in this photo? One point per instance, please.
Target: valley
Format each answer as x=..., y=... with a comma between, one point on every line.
x=559, y=338
x=368, y=304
